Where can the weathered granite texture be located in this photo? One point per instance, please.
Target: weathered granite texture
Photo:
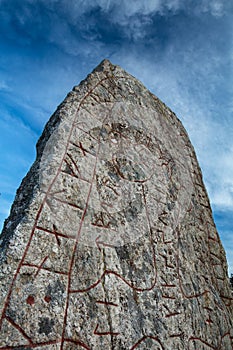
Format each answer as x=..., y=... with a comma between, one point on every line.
x=110, y=243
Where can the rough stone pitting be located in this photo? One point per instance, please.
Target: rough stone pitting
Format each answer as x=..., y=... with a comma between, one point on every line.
x=110, y=243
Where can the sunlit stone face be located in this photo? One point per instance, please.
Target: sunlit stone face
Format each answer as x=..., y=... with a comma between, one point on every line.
x=119, y=162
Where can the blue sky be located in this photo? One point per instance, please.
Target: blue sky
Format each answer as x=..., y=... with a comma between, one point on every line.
x=182, y=50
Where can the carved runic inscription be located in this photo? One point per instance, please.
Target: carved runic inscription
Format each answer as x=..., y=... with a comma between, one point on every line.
x=117, y=248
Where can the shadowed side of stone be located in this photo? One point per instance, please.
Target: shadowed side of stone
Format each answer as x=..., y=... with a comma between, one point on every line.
x=110, y=243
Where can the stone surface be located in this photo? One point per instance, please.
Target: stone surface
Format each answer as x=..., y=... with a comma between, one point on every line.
x=110, y=243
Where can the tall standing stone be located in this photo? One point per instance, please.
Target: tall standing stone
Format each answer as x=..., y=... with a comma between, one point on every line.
x=110, y=243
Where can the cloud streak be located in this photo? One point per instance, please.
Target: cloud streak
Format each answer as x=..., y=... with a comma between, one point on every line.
x=57, y=20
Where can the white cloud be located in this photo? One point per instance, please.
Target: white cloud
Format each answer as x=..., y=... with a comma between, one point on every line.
x=227, y=238
x=216, y=7
x=4, y=207
x=3, y=85
x=131, y=15
x=129, y=8
x=125, y=9
x=17, y=144
x=220, y=180
x=64, y=20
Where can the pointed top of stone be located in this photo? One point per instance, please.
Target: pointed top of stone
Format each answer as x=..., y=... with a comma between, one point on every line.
x=121, y=86
x=110, y=243
x=104, y=65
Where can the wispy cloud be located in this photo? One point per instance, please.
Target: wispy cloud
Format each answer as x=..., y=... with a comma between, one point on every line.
x=3, y=85
x=4, y=209
x=223, y=218
x=216, y=7
x=61, y=20
x=220, y=182
x=123, y=9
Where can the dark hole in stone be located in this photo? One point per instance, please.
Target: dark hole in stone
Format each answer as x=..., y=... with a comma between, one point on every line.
x=46, y=325
x=55, y=290
x=122, y=252
x=11, y=313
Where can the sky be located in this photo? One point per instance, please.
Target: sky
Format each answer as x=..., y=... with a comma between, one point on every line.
x=182, y=50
